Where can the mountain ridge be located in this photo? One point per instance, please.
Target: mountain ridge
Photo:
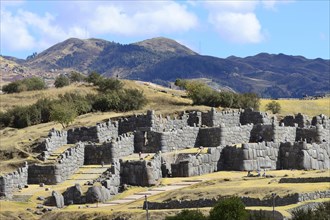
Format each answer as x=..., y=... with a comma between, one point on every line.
x=161, y=60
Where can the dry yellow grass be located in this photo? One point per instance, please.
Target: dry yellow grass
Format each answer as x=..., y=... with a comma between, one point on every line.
x=235, y=183
x=308, y=107
x=30, y=97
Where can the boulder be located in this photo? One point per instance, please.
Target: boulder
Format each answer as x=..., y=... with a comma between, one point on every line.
x=97, y=194
x=73, y=195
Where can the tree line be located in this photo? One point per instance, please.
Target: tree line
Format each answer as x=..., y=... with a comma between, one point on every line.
x=111, y=96
x=202, y=94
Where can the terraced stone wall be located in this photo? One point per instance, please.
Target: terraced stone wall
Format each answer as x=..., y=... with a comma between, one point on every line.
x=301, y=155
x=63, y=167
x=141, y=172
x=97, y=134
x=13, y=181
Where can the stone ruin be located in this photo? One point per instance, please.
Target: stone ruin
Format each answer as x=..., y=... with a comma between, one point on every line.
x=242, y=140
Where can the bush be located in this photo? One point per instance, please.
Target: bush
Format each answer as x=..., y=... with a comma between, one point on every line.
x=187, y=215
x=76, y=77
x=81, y=103
x=4, y=120
x=94, y=78
x=201, y=94
x=61, y=81
x=109, y=84
x=229, y=209
x=28, y=84
x=63, y=113
x=274, y=107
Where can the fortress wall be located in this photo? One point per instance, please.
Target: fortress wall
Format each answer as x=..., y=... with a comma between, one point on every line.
x=132, y=123
x=302, y=155
x=186, y=137
x=312, y=134
x=321, y=120
x=147, y=141
x=229, y=118
x=195, y=165
x=249, y=116
x=216, y=136
x=66, y=165
x=13, y=181
x=160, y=123
x=141, y=172
x=257, y=156
x=108, y=151
x=55, y=140
x=299, y=119
x=284, y=134
x=98, y=134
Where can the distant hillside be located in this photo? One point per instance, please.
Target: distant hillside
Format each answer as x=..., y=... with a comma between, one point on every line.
x=161, y=60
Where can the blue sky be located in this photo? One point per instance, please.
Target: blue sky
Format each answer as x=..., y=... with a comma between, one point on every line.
x=217, y=28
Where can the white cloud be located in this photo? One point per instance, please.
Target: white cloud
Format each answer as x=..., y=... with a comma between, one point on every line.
x=238, y=27
x=22, y=29
x=271, y=4
x=235, y=21
x=147, y=19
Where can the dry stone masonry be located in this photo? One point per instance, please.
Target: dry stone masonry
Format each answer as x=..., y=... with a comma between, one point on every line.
x=236, y=140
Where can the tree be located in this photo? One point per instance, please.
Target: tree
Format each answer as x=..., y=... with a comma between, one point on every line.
x=109, y=84
x=274, y=107
x=187, y=215
x=94, y=78
x=63, y=113
x=229, y=209
x=76, y=77
x=61, y=81
x=28, y=84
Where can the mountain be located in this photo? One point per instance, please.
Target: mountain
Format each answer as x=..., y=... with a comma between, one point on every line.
x=162, y=60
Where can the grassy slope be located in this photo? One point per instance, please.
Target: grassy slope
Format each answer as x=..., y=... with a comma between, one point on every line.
x=308, y=107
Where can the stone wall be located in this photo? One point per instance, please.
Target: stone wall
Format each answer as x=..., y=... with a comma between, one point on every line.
x=312, y=134
x=141, y=172
x=66, y=164
x=299, y=119
x=147, y=141
x=54, y=140
x=257, y=156
x=305, y=180
x=301, y=155
x=284, y=134
x=229, y=118
x=179, y=139
x=199, y=164
x=248, y=201
x=133, y=123
x=120, y=147
x=13, y=181
x=97, y=134
x=255, y=117
x=321, y=120
x=223, y=135
x=167, y=123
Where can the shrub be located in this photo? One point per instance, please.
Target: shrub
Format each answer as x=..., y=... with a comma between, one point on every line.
x=94, y=78
x=61, y=81
x=76, y=77
x=28, y=84
x=229, y=209
x=109, y=84
x=63, y=113
x=187, y=215
x=274, y=107
x=81, y=103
